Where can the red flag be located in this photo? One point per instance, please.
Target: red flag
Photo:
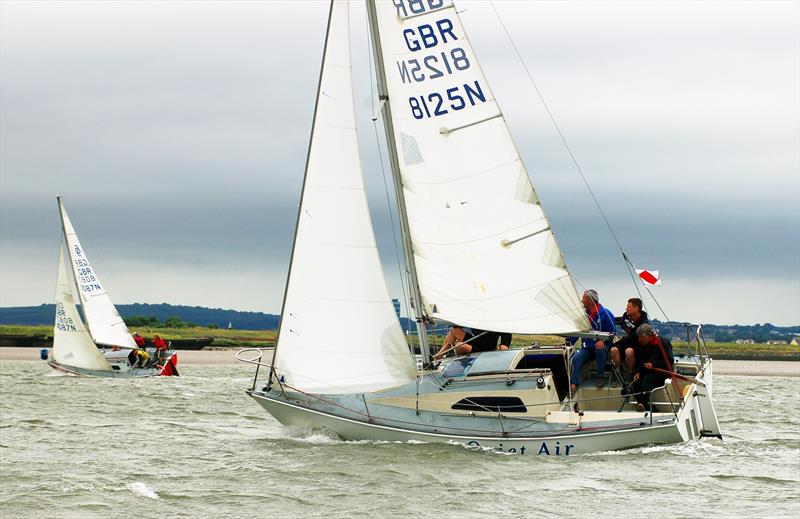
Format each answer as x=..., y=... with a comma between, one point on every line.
x=649, y=276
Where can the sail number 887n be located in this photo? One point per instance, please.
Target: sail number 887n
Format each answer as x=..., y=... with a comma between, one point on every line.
x=454, y=99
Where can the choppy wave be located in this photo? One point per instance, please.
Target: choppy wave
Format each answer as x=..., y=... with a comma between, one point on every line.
x=140, y=489
x=197, y=446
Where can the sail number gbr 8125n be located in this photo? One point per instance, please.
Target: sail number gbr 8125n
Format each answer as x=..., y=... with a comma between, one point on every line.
x=434, y=63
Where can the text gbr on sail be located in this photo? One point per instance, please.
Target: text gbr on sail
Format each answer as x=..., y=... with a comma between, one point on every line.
x=436, y=64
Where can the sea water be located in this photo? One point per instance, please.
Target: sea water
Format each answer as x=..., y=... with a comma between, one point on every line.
x=197, y=446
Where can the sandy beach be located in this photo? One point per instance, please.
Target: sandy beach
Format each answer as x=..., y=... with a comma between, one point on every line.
x=227, y=357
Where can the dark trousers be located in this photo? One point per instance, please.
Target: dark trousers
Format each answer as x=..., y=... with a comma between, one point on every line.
x=645, y=384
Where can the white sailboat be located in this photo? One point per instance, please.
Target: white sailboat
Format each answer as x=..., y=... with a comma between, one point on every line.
x=479, y=253
x=99, y=344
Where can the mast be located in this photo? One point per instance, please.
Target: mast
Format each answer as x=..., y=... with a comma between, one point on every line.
x=72, y=263
x=300, y=203
x=386, y=113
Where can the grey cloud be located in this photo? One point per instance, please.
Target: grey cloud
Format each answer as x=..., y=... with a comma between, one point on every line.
x=178, y=131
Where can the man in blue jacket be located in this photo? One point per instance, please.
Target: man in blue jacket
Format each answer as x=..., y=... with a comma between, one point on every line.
x=602, y=320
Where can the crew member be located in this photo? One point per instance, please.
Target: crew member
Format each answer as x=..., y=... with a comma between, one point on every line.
x=625, y=348
x=161, y=347
x=464, y=342
x=602, y=320
x=653, y=366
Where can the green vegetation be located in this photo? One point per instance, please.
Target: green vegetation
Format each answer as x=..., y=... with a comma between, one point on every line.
x=153, y=322
x=264, y=338
x=222, y=338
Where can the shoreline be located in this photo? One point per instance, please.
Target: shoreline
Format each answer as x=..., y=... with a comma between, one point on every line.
x=227, y=357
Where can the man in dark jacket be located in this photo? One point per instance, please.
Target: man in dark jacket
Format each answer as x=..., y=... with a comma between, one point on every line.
x=653, y=364
x=630, y=321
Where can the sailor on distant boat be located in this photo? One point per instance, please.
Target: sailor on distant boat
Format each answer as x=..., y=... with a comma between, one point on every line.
x=602, y=320
x=161, y=347
x=138, y=357
x=463, y=342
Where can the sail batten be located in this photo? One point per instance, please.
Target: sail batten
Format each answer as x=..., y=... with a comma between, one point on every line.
x=339, y=332
x=483, y=250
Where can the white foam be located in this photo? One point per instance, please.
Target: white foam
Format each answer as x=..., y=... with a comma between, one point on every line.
x=482, y=448
x=140, y=489
x=319, y=438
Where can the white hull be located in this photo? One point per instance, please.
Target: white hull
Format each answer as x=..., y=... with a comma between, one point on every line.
x=131, y=373
x=567, y=444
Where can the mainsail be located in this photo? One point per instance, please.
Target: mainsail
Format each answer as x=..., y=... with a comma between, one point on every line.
x=72, y=345
x=339, y=332
x=484, y=251
x=104, y=322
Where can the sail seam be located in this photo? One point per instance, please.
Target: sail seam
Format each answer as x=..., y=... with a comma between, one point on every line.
x=469, y=175
x=505, y=294
x=485, y=237
x=343, y=301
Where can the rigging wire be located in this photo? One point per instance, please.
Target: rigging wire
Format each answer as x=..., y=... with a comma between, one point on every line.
x=400, y=263
x=628, y=263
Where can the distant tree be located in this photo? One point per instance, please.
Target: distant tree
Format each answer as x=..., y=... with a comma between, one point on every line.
x=138, y=320
x=174, y=322
x=213, y=326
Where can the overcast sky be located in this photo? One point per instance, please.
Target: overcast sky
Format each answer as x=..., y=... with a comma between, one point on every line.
x=177, y=133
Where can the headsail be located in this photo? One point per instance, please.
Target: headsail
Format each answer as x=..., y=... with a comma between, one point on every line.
x=339, y=332
x=104, y=322
x=483, y=248
x=72, y=345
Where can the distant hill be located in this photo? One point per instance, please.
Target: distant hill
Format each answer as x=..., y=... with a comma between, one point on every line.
x=44, y=314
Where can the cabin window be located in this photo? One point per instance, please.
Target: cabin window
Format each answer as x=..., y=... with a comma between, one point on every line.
x=495, y=404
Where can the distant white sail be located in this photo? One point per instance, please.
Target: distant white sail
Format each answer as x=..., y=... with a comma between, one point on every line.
x=104, y=322
x=483, y=248
x=339, y=332
x=72, y=345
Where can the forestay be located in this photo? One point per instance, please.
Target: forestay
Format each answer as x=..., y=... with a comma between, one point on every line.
x=72, y=345
x=483, y=248
x=104, y=322
x=339, y=332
